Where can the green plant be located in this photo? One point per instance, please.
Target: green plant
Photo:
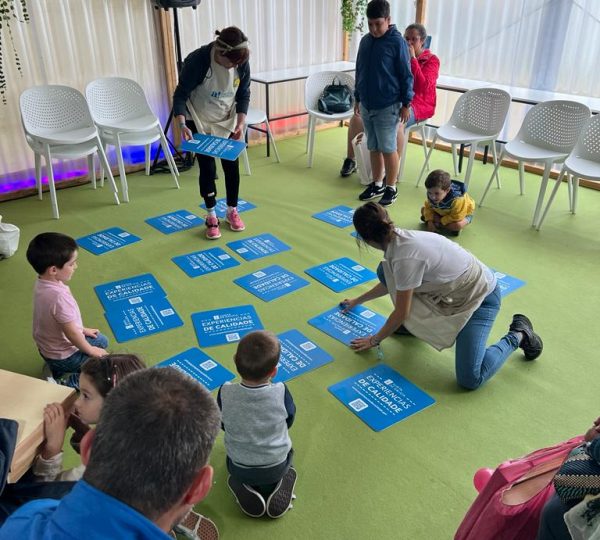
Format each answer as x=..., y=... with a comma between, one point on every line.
x=8, y=13
x=353, y=15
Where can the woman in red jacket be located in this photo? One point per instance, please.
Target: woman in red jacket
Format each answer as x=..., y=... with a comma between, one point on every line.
x=425, y=69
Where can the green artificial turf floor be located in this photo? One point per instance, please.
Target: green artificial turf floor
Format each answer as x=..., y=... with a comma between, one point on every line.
x=413, y=480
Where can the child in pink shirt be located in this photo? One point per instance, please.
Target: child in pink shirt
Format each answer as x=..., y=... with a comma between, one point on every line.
x=58, y=330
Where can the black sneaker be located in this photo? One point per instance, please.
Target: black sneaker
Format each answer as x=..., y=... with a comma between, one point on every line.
x=251, y=501
x=348, y=167
x=371, y=192
x=280, y=501
x=389, y=196
x=531, y=343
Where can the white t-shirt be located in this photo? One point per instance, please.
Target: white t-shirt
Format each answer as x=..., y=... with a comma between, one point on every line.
x=419, y=258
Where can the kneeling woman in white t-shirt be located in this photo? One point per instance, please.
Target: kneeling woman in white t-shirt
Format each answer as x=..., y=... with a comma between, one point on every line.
x=442, y=294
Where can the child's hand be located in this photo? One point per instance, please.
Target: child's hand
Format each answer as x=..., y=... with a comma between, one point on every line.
x=404, y=114
x=97, y=352
x=91, y=332
x=55, y=426
x=431, y=226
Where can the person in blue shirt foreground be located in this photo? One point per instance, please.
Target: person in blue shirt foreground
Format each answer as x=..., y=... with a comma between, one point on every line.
x=147, y=465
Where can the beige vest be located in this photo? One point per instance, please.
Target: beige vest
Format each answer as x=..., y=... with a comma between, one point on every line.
x=439, y=312
x=212, y=103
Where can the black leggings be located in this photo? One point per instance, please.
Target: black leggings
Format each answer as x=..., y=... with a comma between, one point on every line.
x=206, y=179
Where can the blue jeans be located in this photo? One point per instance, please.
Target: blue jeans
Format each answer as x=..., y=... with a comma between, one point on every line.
x=475, y=362
x=71, y=366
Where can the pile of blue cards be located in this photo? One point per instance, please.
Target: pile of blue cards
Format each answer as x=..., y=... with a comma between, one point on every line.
x=136, y=307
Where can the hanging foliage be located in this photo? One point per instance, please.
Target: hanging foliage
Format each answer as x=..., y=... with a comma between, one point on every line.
x=10, y=11
x=353, y=15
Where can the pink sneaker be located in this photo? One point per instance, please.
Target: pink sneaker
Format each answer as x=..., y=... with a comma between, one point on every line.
x=212, y=228
x=234, y=220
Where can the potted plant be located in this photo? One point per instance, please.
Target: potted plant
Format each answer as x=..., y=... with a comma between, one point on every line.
x=10, y=11
x=353, y=15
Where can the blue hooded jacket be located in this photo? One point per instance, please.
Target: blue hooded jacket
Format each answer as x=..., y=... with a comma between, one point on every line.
x=383, y=75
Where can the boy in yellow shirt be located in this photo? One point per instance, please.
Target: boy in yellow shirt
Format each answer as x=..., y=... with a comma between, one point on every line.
x=448, y=206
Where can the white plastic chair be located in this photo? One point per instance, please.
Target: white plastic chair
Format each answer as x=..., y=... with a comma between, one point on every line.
x=312, y=91
x=256, y=117
x=582, y=162
x=548, y=134
x=58, y=125
x=477, y=118
x=417, y=126
x=123, y=116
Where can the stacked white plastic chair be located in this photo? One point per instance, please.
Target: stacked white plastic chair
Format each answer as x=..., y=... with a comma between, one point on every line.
x=58, y=125
x=477, y=118
x=583, y=162
x=121, y=112
x=257, y=117
x=315, y=84
x=548, y=134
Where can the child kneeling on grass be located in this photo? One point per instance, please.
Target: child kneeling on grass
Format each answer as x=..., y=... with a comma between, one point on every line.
x=256, y=416
x=448, y=205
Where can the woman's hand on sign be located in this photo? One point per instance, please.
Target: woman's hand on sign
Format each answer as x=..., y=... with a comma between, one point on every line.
x=362, y=344
x=347, y=304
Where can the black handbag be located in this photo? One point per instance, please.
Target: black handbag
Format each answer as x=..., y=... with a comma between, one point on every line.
x=336, y=98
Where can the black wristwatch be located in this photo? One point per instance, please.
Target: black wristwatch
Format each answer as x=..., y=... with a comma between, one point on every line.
x=407, y=105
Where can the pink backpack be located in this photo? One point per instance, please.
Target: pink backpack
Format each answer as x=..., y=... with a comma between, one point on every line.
x=509, y=505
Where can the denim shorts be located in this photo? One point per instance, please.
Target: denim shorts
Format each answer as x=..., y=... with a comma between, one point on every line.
x=381, y=126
